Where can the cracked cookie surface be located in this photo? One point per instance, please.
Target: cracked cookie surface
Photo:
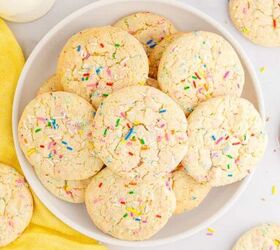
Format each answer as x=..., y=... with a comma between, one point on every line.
x=189, y=193
x=139, y=132
x=51, y=85
x=197, y=66
x=226, y=140
x=147, y=27
x=55, y=134
x=97, y=61
x=126, y=209
x=258, y=20
x=263, y=237
x=16, y=204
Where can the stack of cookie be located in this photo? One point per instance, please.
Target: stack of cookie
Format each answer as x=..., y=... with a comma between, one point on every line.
x=155, y=146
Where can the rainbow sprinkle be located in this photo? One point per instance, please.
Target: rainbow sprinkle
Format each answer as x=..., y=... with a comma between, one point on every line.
x=129, y=134
x=274, y=190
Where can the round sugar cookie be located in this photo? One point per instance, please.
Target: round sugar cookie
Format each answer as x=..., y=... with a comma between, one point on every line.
x=152, y=83
x=156, y=53
x=55, y=134
x=263, y=237
x=71, y=191
x=51, y=85
x=189, y=193
x=97, y=61
x=226, y=140
x=149, y=28
x=197, y=66
x=139, y=132
x=258, y=20
x=16, y=205
x=129, y=210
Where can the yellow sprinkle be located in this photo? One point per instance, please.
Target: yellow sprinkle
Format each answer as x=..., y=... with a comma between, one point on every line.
x=31, y=151
x=276, y=243
x=274, y=190
x=134, y=211
x=80, y=132
x=262, y=69
x=211, y=230
x=91, y=145
x=245, y=30
x=142, y=83
x=136, y=122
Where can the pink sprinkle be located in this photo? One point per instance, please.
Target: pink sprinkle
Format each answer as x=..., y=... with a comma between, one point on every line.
x=162, y=125
x=129, y=143
x=209, y=234
x=226, y=74
x=109, y=72
x=159, y=138
x=20, y=181
x=123, y=114
x=167, y=137
x=41, y=119
x=244, y=11
x=60, y=156
x=219, y=140
x=91, y=85
x=86, y=56
x=51, y=144
x=11, y=224
x=144, y=221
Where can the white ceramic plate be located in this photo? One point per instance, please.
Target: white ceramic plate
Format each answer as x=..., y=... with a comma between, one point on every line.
x=41, y=64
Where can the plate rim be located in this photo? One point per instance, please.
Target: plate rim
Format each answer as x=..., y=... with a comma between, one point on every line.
x=102, y=236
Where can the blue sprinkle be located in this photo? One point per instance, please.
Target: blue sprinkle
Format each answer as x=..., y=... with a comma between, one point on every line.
x=150, y=41
x=153, y=45
x=64, y=142
x=69, y=148
x=79, y=48
x=162, y=110
x=137, y=219
x=50, y=155
x=98, y=70
x=129, y=133
x=229, y=175
x=213, y=137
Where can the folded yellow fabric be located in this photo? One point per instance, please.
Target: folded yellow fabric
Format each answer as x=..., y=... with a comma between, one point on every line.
x=45, y=231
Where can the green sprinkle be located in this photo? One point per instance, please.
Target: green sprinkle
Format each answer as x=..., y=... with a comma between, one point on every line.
x=118, y=122
x=187, y=87
x=228, y=166
x=245, y=137
x=114, y=55
x=131, y=192
x=142, y=141
x=105, y=95
x=194, y=77
x=49, y=124
x=37, y=130
x=229, y=156
x=117, y=45
x=105, y=132
x=125, y=215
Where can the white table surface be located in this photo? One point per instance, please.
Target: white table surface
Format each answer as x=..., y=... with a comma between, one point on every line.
x=257, y=204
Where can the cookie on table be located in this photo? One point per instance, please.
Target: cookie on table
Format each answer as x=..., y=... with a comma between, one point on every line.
x=149, y=28
x=263, y=237
x=156, y=53
x=51, y=85
x=55, y=134
x=70, y=191
x=189, y=193
x=226, y=140
x=139, y=132
x=129, y=210
x=197, y=66
x=97, y=61
x=16, y=205
x=258, y=20
x=152, y=83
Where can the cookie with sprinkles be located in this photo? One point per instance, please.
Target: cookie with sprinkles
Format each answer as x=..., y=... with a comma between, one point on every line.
x=156, y=53
x=226, y=140
x=97, y=61
x=55, y=134
x=189, y=193
x=257, y=20
x=197, y=66
x=126, y=209
x=139, y=132
x=262, y=237
x=51, y=85
x=16, y=205
x=71, y=191
x=149, y=28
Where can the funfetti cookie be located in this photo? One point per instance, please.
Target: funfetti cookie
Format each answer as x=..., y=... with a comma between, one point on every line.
x=197, y=66
x=149, y=28
x=263, y=237
x=258, y=20
x=55, y=134
x=226, y=140
x=70, y=191
x=51, y=85
x=97, y=61
x=16, y=205
x=189, y=193
x=156, y=53
x=128, y=210
x=139, y=132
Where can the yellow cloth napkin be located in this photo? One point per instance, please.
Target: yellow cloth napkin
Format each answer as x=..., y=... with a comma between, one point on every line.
x=45, y=230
